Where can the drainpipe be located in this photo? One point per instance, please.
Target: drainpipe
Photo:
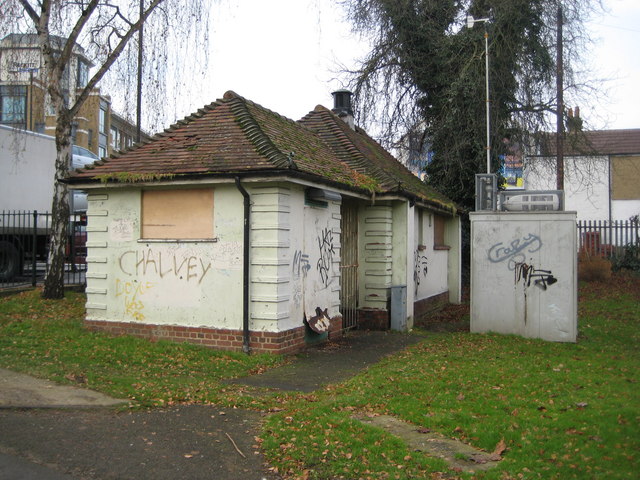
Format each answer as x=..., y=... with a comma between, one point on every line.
x=245, y=271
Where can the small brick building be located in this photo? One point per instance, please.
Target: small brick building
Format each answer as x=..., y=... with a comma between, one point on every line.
x=240, y=229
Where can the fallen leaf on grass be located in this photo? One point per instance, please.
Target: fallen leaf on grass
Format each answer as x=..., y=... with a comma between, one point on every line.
x=496, y=456
x=72, y=377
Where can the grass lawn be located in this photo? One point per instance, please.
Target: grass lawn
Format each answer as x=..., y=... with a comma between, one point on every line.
x=562, y=410
x=46, y=339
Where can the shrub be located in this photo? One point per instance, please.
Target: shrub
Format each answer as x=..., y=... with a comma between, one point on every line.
x=593, y=268
x=630, y=260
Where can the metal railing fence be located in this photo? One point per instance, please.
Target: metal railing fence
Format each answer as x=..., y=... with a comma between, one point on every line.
x=614, y=240
x=24, y=249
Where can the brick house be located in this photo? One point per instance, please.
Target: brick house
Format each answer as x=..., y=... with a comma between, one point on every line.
x=240, y=229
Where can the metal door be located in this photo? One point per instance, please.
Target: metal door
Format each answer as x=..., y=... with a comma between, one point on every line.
x=349, y=264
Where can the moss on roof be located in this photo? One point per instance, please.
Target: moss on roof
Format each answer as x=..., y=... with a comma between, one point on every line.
x=236, y=136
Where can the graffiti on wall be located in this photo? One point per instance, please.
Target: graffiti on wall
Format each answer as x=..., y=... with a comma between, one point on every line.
x=327, y=251
x=188, y=268
x=300, y=264
x=132, y=293
x=514, y=252
x=528, y=273
x=420, y=268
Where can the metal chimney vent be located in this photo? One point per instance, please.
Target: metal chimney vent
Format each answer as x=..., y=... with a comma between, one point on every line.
x=342, y=102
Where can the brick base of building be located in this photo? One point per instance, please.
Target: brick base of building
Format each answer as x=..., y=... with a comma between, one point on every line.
x=287, y=342
x=374, y=319
x=423, y=308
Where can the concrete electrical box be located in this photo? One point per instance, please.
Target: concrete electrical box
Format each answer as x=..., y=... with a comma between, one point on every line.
x=524, y=274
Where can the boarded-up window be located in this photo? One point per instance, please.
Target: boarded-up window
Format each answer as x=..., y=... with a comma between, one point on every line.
x=177, y=214
x=625, y=178
x=438, y=232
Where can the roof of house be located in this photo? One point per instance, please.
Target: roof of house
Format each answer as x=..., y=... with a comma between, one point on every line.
x=595, y=142
x=365, y=155
x=234, y=136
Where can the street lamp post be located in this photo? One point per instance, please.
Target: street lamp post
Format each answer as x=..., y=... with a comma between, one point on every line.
x=470, y=23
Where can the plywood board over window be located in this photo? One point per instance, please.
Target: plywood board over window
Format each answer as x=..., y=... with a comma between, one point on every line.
x=177, y=214
x=625, y=178
x=438, y=233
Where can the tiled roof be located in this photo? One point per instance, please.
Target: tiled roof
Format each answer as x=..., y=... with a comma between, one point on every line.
x=595, y=142
x=365, y=155
x=234, y=136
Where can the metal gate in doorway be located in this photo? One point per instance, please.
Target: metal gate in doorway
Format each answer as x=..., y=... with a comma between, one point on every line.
x=349, y=264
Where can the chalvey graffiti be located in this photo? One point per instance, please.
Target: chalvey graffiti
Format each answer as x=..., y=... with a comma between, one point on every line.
x=162, y=264
x=527, y=273
x=515, y=252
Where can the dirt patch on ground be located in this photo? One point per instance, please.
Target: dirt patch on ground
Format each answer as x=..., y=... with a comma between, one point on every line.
x=451, y=318
x=624, y=281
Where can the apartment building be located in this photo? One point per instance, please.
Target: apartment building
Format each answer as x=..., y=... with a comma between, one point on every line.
x=23, y=103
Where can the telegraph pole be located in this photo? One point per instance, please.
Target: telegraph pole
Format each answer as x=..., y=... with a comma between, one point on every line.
x=139, y=98
x=560, y=101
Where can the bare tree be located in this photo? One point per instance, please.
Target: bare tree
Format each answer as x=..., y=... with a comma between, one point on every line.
x=105, y=28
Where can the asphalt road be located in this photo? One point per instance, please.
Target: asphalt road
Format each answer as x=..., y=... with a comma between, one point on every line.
x=52, y=432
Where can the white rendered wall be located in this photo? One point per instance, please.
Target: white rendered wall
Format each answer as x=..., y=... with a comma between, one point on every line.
x=586, y=183
x=625, y=209
x=314, y=267
x=163, y=282
x=430, y=271
x=294, y=262
x=514, y=257
x=376, y=253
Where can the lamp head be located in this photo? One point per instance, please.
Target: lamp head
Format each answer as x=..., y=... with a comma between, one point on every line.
x=470, y=21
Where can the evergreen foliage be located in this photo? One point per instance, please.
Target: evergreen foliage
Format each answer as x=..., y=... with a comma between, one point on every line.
x=426, y=71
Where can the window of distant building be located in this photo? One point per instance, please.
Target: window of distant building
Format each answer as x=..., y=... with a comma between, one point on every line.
x=83, y=74
x=102, y=152
x=102, y=120
x=13, y=105
x=115, y=138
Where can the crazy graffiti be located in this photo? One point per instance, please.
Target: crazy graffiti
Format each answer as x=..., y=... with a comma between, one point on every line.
x=161, y=264
x=527, y=273
x=514, y=253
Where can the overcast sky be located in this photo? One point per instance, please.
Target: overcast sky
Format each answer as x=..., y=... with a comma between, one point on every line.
x=285, y=55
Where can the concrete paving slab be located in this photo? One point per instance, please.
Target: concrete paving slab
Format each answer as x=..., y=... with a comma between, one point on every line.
x=23, y=391
x=457, y=454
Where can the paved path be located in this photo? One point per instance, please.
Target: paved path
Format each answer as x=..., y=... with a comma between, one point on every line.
x=22, y=391
x=57, y=432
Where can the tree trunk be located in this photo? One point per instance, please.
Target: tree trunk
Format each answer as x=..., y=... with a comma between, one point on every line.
x=60, y=214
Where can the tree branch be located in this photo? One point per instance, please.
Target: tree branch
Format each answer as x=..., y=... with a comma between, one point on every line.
x=113, y=56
